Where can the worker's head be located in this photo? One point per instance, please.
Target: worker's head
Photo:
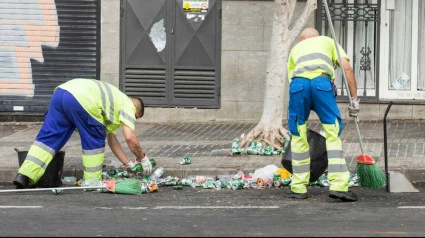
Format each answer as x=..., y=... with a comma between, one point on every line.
x=309, y=33
x=140, y=107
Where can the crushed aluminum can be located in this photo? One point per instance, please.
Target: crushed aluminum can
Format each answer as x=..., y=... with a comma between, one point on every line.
x=186, y=182
x=185, y=160
x=144, y=187
x=248, y=183
x=219, y=185
x=209, y=184
x=237, y=184
x=172, y=182
x=285, y=182
x=276, y=179
x=323, y=181
x=71, y=180
x=113, y=172
x=105, y=176
x=123, y=174
x=57, y=191
x=268, y=183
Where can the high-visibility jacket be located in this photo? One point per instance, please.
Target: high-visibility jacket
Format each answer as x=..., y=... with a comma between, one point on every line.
x=104, y=102
x=313, y=57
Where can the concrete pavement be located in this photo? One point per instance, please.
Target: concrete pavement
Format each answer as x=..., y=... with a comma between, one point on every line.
x=208, y=144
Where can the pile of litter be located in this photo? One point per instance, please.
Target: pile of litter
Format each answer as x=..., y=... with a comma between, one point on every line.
x=269, y=176
x=257, y=148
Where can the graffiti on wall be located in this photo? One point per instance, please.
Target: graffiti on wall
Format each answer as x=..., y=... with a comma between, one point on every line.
x=24, y=27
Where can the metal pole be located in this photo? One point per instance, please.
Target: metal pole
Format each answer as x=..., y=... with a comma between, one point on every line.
x=385, y=145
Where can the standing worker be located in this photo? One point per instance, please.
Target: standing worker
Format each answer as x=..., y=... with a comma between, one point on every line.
x=311, y=74
x=96, y=109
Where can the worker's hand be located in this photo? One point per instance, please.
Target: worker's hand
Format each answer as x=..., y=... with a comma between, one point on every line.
x=129, y=165
x=354, y=109
x=146, y=164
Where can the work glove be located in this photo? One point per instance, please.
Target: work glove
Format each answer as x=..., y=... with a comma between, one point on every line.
x=354, y=108
x=133, y=166
x=146, y=164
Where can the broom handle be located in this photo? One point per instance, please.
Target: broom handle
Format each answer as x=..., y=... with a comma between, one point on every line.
x=343, y=72
x=49, y=189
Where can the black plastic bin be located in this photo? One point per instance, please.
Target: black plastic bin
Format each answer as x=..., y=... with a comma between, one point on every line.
x=52, y=177
x=318, y=155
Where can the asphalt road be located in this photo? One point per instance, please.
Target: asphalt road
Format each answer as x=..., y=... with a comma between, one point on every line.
x=209, y=212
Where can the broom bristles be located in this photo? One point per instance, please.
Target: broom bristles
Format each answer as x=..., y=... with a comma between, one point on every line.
x=125, y=186
x=371, y=176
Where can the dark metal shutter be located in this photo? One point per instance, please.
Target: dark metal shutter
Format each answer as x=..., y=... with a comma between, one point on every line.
x=186, y=73
x=77, y=55
x=144, y=67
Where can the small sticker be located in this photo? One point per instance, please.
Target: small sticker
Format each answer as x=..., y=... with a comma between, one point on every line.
x=400, y=81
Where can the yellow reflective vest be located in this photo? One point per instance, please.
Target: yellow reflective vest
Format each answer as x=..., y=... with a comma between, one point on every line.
x=104, y=102
x=313, y=57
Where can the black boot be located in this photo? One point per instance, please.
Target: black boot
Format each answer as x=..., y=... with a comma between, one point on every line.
x=344, y=196
x=21, y=181
x=291, y=194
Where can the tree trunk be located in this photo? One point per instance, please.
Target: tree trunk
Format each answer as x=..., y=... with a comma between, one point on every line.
x=270, y=130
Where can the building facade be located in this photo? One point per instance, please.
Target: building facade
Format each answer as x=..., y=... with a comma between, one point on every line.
x=203, y=60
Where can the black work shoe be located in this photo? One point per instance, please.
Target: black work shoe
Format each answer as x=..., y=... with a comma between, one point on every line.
x=21, y=181
x=291, y=194
x=344, y=196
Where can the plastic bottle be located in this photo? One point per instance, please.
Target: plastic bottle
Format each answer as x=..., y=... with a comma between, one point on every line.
x=240, y=174
x=157, y=174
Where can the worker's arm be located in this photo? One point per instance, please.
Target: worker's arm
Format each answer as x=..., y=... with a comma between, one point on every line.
x=134, y=145
x=116, y=148
x=354, y=108
x=132, y=142
x=351, y=79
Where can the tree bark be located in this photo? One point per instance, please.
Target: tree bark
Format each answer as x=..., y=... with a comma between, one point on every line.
x=270, y=130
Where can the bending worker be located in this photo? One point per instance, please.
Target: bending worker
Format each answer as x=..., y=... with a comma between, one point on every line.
x=311, y=74
x=96, y=109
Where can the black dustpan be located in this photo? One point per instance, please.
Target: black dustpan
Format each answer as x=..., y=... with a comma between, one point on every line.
x=318, y=155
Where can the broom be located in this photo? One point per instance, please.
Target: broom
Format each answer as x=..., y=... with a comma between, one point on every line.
x=369, y=173
x=124, y=186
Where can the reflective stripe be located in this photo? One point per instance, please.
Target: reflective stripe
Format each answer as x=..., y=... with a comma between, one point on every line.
x=111, y=105
x=301, y=168
x=310, y=68
x=314, y=56
x=103, y=96
x=44, y=147
x=93, y=169
x=94, y=152
x=128, y=117
x=300, y=156
x=335, y=154
x=36, y=161
x=337, y=168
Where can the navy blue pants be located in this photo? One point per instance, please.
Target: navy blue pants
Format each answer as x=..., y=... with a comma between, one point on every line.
x=65, y=114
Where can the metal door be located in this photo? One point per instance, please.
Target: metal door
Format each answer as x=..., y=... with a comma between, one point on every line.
x=170, y=56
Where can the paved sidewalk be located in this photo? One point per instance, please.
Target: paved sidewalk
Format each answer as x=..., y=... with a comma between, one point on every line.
x=208, y=145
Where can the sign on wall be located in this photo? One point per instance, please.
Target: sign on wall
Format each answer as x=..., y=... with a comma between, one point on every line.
x=195, y=6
